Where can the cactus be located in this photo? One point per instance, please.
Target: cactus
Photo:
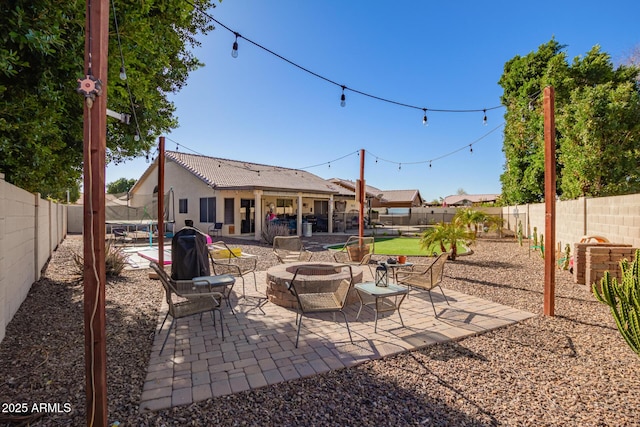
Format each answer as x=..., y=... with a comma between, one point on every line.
x=520, y=232
x=535, y=237
x=567, y=257
x=542, y=245
x=624, y=300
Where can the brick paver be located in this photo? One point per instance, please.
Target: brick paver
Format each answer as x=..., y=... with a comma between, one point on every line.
x=259, y=349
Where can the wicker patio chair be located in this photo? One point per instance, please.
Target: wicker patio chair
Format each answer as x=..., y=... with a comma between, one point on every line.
x=290, y=249
x=425, y=277
x=313, y=300
x=356, y=251
x=234, y=262
x=185, y=299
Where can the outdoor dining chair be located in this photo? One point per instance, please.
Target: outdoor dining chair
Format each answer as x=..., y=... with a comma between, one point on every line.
x=290, y=249
x=232, y=261
x=425, y=277
x=185, y=298
x=312, y=299
x=356, y=251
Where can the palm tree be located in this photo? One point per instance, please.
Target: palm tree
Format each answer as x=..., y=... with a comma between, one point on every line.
x=434, y=235
x=447, y=235
x=470, y=217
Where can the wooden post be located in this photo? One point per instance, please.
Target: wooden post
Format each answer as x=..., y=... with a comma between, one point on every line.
x=549, y=200
x=95, y=145
x=161, y=203
x=362, y=198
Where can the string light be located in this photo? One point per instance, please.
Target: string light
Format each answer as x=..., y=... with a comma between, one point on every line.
x=484, y=119
x=424, y=119
x=399, y=166
x=136, y=137
x=471, y=148
x=234, y=53
x=234, y=49
x=123, y=74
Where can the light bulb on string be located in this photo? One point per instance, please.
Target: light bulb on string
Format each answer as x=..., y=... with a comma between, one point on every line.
x=429, y=164
x=136, y=137
x=399, y=166
x=424, y=119
x=234, y=49
x=523, y=119
x=471, y=148
x=484, y=119
x=343, y=99
x=329, y=165
x=123, y=74
x=376, y=160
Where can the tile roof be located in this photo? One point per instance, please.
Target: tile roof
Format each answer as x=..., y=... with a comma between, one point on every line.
x=473, y=198
x=234, y=174
x=390, y=196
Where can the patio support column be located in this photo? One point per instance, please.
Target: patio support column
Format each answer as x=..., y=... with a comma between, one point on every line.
x=258, y=219
x=330, y=215
x=299, y=216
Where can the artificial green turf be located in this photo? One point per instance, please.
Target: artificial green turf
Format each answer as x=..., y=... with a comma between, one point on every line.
x=409, y=246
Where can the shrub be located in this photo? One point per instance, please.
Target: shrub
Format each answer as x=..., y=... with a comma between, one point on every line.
x=272, y=230
x=114, y=259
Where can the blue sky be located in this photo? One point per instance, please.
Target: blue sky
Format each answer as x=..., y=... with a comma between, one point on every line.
x=436, y=55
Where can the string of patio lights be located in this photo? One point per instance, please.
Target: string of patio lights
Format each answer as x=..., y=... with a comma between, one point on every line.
x=234, y=54
x=343, y=87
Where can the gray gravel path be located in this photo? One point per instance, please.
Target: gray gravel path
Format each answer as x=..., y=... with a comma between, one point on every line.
x=573, y=369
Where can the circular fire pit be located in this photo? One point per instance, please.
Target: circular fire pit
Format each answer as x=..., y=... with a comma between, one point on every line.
x=319, y=279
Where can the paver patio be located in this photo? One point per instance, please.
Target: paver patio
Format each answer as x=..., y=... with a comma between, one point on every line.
x=259, y=349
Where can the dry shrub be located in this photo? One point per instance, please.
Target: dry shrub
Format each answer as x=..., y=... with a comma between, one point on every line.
x=114, y=258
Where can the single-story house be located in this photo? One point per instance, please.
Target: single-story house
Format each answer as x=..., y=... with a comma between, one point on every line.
x=242, y=195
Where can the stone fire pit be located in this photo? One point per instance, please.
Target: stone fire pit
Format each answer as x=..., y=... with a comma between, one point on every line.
x=277, y=277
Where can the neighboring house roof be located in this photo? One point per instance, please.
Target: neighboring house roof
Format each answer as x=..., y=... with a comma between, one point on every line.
x=400, y=196
x=351, y=186
x=466, y=199
x=232, y=174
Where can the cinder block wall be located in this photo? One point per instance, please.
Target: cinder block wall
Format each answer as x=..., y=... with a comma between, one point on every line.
x=600, y=259
x=616, y=218
x=30, y=229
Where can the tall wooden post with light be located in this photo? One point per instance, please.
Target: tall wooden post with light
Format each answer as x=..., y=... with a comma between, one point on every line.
x=94, y=89
x=549, y=200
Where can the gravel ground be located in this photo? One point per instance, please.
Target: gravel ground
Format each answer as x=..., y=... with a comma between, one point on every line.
x=573, y=369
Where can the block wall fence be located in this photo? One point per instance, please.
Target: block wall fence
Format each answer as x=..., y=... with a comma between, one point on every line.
x=617, y=218
x=30, y=230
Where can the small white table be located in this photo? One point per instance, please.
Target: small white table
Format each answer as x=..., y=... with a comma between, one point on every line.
x=385, y=298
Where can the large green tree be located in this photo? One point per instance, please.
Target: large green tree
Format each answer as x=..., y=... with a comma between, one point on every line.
x=597, y=119
x=41, y=58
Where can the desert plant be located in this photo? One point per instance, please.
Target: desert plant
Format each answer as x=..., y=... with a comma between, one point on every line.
x=447, y=235
x=535, y=237
x=567, y=257
x=520, y=232
x=470, y=217
x=623, y=298
x=114, y=260
x=541, y=247
x=273, y=229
